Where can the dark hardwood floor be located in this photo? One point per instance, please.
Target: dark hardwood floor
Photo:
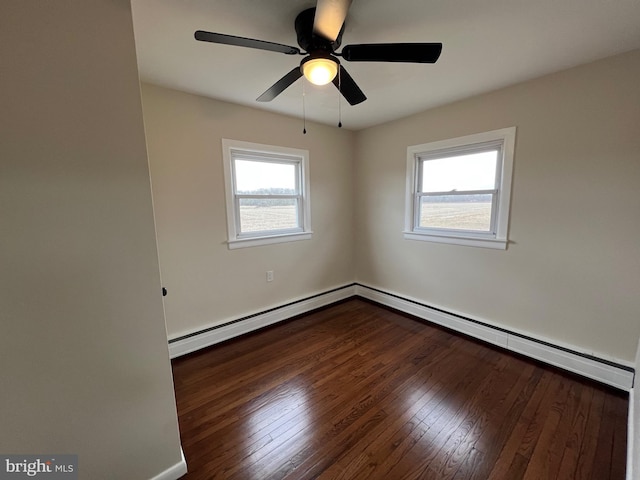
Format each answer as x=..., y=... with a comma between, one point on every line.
x=356, y=391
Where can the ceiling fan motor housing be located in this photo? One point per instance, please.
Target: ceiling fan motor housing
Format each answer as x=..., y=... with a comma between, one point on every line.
x=319, y=54
x=309, y=41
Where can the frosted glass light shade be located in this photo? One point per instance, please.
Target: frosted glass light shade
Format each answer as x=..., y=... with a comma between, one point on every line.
x=320, y=71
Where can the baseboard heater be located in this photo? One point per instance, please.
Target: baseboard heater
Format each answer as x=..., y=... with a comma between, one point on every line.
x=571, y=359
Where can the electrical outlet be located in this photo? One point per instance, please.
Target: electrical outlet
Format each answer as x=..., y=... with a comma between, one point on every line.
x=270, y=276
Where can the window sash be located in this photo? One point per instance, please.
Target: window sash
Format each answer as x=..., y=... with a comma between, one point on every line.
x=421, y=158
x=490, y=233
x=296, y=196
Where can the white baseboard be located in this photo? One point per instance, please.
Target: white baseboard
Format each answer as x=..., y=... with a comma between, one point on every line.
x=566, y=357
x=198, y=340
x=174, y=472
x=588, y=367
x=569, y=359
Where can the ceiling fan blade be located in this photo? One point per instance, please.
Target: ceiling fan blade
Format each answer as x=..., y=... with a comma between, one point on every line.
x=245, y=42
x=348, y=87
x=330, y=16
x=393, y=52
x=280, y=86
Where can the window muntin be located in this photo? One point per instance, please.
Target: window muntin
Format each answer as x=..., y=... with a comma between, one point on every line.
x=458, y=190
x=267, y=194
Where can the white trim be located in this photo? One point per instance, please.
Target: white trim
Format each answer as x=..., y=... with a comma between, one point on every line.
x=587, y=367
x=234, y=239
x=174, y=472
x=274, y=315
x=493, y=336
x=254, y=242
x=506, y=137
x=466, y=241
x=539, y=350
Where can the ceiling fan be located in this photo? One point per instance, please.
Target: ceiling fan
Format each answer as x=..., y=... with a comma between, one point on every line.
x=319, y=33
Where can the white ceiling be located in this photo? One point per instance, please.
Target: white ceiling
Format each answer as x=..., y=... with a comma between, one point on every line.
x=487, y=44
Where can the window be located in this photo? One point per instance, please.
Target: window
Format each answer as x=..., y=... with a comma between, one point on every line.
x=459, y=190
x=267, y=192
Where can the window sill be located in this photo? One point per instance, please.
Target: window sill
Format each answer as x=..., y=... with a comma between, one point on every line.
x=271, y=239
x=498, y=244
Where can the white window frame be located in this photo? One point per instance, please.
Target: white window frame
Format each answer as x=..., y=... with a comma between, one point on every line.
x=232, y=149
x=497, y=237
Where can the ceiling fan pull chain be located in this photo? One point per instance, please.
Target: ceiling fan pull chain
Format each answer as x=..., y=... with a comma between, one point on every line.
x=304, y=112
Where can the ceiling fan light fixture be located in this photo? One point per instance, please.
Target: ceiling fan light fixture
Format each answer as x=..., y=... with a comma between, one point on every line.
x=320, y=71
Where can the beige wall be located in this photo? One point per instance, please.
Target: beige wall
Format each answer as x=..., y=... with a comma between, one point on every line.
x=84, y=364
x=209, y=284
x=572, y=270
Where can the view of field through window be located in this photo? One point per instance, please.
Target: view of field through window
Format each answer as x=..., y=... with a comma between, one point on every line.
x=455, y=191
x=265, y=186
x=257, y=218
x=460, y=215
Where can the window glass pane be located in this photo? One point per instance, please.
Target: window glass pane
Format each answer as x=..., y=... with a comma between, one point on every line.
x=265, y=178
x=473, y=171
x=457, y=212
x=262, y=214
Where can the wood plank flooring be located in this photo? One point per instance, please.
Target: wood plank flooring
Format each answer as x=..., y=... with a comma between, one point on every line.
x=357, y=391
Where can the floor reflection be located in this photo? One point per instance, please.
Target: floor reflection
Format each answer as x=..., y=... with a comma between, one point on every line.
x=435, y=407
x=277, y=427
